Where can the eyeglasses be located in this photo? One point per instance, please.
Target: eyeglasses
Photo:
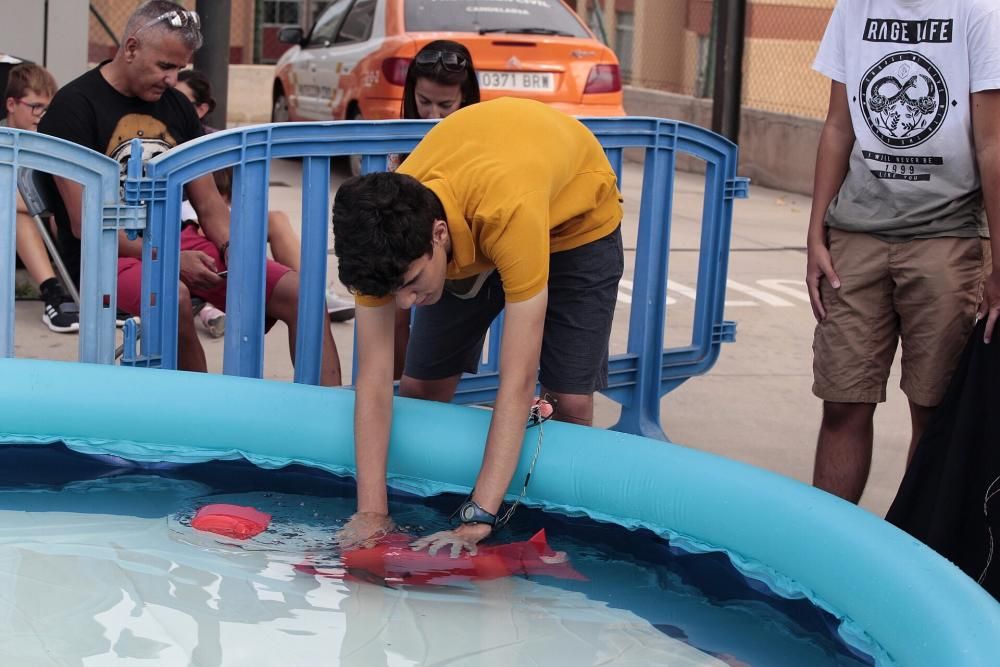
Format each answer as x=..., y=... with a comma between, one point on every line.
x=37, y=108
x=177, y=18
x=450, y=61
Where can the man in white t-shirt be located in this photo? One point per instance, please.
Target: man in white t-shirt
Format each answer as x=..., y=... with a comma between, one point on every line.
x=898, y=245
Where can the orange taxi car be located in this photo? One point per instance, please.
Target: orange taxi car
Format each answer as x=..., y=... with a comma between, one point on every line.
x=353, y=62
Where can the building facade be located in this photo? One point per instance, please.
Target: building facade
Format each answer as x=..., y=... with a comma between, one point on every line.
x=661, y=44
x=667, y=45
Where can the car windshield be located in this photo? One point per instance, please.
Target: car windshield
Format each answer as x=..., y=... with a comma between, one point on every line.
x=538, y=17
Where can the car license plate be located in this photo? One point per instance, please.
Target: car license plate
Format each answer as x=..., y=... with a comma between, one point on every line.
x=517, y=81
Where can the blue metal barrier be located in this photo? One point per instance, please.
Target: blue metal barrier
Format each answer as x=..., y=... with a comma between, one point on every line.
x=647, y=371
x=102, y=216
x=250, y=151
x=638, y=378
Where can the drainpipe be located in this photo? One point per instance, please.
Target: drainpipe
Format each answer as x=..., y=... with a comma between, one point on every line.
x=213, y=57
x=730, y=23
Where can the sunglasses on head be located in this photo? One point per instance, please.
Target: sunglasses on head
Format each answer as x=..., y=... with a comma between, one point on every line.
x=450, y=61
x=177, y=18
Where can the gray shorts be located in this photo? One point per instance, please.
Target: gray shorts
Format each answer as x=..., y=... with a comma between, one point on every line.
x=447, y=338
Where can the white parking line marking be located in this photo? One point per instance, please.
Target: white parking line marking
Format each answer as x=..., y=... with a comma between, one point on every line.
x=787, y=287
x=625, y=292
x=684, y=290
x=767, y=298
x=625, y=285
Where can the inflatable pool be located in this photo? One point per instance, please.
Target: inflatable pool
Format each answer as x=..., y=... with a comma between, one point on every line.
x=893, y=596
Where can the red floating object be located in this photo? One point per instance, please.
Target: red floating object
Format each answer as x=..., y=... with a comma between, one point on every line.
x=392, y=561
x=542, y=408
x=234, y=521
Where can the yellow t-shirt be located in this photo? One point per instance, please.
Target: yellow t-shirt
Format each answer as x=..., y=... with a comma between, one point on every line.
x=518, y=181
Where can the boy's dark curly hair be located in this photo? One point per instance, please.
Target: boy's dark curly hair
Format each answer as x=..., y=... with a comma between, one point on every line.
x=382, y=222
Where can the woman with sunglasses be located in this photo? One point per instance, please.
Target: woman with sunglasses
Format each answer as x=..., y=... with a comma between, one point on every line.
x=441, y=80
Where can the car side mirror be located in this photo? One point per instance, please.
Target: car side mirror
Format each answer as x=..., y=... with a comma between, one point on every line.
x=290, y=35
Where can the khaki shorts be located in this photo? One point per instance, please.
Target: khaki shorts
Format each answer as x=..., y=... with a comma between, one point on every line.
x=923, y=292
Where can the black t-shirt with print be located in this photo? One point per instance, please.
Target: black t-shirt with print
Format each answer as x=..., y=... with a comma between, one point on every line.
x=90, y=112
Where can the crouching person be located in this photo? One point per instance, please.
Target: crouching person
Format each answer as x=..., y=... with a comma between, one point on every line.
x=506, y=205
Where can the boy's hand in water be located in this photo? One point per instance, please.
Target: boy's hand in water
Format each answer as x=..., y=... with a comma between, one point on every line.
x=363, y=530
x=463, y=538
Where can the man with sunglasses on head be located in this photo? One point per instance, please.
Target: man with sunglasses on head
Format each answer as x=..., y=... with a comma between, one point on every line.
x=505, y=205
x=133, y=96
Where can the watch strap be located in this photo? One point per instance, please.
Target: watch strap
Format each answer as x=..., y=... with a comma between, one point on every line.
x=471, y=512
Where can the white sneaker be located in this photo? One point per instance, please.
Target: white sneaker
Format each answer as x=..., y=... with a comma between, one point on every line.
x=340, y=310
x=213, y=319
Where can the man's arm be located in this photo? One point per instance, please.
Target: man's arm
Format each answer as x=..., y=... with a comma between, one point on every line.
x=986, y=134
x=72, y=196
x=197, y=269
x=213, y=213
x=524, y=323
x=373, y=404
x=372, y=423
x=521, y=346
x=832, y=159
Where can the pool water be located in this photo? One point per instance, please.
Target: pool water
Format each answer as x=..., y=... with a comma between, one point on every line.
x=100, y=565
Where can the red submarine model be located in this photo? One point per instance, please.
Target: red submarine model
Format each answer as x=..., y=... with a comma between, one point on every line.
x=393, y=562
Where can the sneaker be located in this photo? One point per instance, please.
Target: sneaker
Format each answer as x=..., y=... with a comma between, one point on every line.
x=61, y=316
x=213, y=319
x=340, y=310
x=121, y=316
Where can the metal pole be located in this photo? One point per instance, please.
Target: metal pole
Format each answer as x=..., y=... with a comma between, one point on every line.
x=307, y=15
x=730, y=23
x=599, y=16
x=213, y=57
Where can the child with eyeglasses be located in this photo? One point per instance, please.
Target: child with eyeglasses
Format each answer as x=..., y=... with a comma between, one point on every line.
x=30, y=88
x=441, y=80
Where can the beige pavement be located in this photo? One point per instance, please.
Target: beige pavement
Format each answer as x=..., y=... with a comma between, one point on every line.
x=756, y=405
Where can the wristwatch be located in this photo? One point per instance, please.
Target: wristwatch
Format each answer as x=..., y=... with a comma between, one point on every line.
x=471, y=512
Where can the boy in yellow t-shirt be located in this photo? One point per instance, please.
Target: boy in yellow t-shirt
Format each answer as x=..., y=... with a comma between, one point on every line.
x=505, y=205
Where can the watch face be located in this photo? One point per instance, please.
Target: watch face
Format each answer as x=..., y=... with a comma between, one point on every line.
x=468, y=512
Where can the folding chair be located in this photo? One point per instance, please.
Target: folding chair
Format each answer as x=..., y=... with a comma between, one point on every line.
x=32, y=189
x=35, y=192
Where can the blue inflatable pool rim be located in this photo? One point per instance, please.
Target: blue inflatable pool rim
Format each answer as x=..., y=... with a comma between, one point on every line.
x=897, y=600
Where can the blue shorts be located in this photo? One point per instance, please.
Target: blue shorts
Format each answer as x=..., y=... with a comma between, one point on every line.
x=447, y=337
